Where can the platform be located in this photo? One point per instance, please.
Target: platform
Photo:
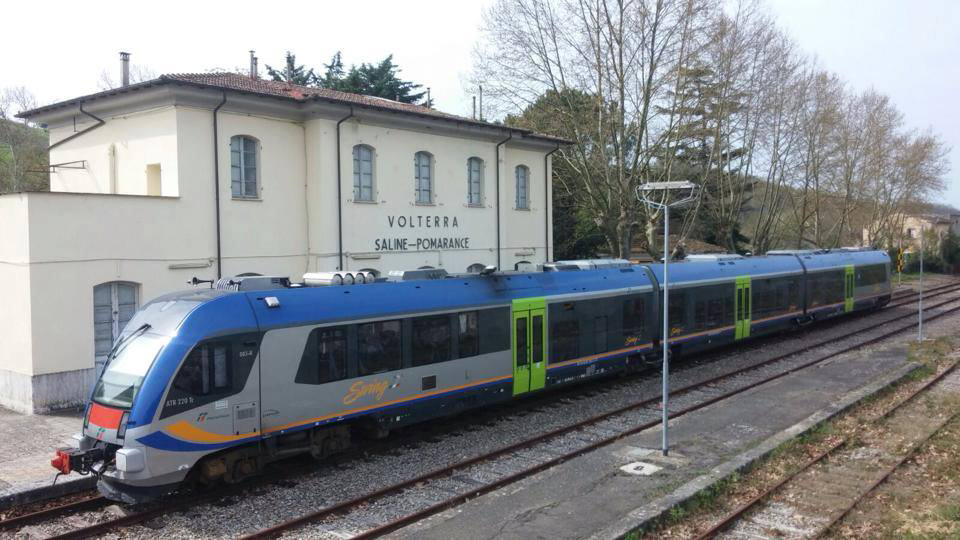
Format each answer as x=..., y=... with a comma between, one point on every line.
x=27, y=443
x=592, y=496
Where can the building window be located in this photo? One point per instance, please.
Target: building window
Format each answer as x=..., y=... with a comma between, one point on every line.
x=114, y=304
x=244, y=167
x=523, y=187
x=154, y=180
x=910, y=233
x=475, y=268
x=363, y=173
x=474, y=181
x=423, y=175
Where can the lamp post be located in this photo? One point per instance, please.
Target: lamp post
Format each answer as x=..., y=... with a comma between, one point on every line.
x=657, y=195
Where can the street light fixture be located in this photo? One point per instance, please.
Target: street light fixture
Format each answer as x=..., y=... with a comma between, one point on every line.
x=658, y=195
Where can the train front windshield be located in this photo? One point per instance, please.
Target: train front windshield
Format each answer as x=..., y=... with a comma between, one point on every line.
x=126, y=369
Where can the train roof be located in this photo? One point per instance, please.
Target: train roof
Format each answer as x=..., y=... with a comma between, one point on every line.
x=715, y=268
x=824, y=259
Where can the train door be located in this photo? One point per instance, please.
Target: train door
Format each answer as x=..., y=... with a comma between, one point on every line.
x=848, y=285
x=529, y=344
x=742, y=307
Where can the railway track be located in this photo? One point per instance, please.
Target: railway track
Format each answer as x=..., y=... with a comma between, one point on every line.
x=740, y=516
x=598, y=431
x=152, y=512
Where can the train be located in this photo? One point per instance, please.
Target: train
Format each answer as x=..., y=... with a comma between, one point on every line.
x=209, y=385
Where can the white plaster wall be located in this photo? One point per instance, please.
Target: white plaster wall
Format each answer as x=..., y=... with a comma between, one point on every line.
x=394, y=216
x=16, y=351
x=273, y=226
x=140, y=139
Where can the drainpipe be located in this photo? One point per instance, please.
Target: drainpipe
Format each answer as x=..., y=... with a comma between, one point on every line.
x=99, y=123
x=340, y=195
x=216, y=182
x=499, y=144
x=547, y=204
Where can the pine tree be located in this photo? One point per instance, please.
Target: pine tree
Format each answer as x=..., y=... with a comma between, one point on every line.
x=293, y=73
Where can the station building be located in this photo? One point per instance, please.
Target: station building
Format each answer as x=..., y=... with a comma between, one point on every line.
x=210, y=175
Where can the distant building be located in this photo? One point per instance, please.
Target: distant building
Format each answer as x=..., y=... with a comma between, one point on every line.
x=220, y=174
x=905, y=228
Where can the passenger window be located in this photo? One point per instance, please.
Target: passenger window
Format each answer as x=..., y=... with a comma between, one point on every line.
x=212, y=371
x=204, y=372
x=431, y=340
x=324, y=358
x=566, y=341
x=600, y=334
x=468, y=333
x=378, y=347
x=521, y=334
x=678, y=312
x=633, y=320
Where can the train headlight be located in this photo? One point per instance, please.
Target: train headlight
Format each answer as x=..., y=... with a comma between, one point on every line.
x=122, y=428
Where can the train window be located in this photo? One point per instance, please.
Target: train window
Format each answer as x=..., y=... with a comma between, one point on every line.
x=378, y=347
x=700, y=314
x=204, y=371
x=565, y=341
x=634, y=317
x=537, y=342
x=521, y=333
x=678, y=312
x=468, y=333
x=600, y=334
x=716, y=314
x=495, y=324
x=431, y=339
x=324, y=358
x=211, y=371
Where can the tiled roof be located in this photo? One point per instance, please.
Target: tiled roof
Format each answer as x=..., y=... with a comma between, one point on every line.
x=242, y=83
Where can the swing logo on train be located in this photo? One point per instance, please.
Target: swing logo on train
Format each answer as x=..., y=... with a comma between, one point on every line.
x=360, y=389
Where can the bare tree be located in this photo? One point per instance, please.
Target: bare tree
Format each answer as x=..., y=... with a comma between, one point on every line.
x=611, y=67
x=138, y=74
x=14, y=100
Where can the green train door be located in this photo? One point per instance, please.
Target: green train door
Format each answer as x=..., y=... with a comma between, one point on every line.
x=848, y=284
x=742, y=307
x=528, y=344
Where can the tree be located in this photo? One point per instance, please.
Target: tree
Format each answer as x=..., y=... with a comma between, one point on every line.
x=293, y=73
x=23, y=157
x=381, y=80
x=138, y=74
x=14, y=100
x=610, y=67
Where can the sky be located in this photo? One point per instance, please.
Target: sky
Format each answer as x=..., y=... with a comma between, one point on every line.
x=907, y=49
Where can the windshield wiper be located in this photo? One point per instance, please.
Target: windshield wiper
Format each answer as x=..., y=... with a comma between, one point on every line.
x=118, y=348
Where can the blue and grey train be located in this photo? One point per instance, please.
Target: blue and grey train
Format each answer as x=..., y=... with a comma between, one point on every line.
x=209, y=385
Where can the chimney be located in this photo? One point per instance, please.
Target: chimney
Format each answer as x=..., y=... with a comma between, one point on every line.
x=124, y=69
x=254, y=73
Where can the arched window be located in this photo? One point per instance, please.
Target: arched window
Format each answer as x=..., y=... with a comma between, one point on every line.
x=114, y=304
x=423, y=175
x=244, y=167
x=523, y=187
x=474, y=181
x=363, y=173
x=476, y=268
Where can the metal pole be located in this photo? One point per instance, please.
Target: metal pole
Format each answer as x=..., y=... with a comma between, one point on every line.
x=666, y=314
x=920, y=308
